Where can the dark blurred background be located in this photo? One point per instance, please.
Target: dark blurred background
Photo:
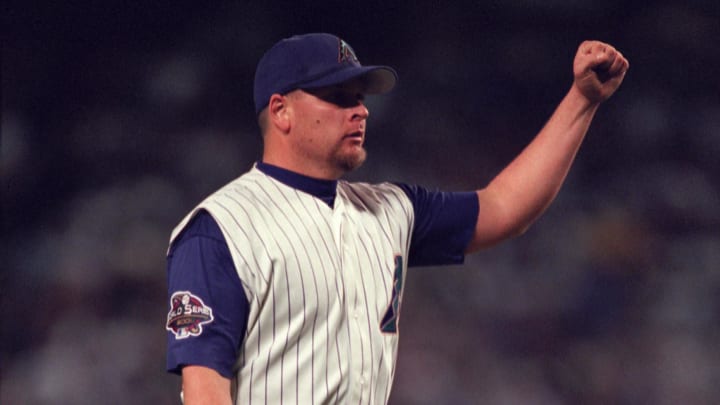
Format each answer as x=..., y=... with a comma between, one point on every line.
x=118, y=117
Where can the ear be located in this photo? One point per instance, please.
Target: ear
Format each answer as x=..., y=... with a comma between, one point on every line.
x=279, y=113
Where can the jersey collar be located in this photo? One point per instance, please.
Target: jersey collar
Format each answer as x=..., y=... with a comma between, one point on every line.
x=322, y=189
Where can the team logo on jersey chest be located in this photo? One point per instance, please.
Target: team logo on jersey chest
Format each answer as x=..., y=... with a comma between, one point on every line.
x=389, y=323
x=188, y=313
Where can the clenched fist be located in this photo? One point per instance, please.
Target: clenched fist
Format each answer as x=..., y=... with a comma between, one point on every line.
x=599, y=69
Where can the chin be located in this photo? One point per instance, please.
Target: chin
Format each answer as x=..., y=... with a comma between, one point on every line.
x=350, y=162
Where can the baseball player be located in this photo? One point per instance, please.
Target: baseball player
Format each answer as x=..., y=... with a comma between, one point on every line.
x=285, y=286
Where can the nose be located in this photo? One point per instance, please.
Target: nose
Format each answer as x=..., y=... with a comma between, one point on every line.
x=360, y=111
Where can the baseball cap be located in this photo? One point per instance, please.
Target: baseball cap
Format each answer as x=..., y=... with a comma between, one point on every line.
x=314, y=60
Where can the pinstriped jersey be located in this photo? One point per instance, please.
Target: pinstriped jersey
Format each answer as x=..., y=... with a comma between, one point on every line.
x=323, y=285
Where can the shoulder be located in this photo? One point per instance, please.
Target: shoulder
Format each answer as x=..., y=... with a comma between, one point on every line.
x=375, y=197
x=249, y=193
x=367, y=192
x=248, y=185
x=202, y=224
x=234, y=198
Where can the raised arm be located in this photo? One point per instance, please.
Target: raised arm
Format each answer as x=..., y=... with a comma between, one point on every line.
x=525, y=188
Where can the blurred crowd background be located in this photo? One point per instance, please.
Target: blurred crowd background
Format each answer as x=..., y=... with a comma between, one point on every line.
x=118, y=117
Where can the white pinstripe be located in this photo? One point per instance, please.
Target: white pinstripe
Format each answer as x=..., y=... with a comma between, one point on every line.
x=319, y=281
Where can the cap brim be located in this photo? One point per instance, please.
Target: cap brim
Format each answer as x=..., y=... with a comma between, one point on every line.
x=375, y=79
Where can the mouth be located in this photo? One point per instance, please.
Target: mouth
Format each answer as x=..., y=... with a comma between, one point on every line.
x=355, y=136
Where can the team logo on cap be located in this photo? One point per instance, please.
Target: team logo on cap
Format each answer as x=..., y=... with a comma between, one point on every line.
x=187, y=315
x=345, y=52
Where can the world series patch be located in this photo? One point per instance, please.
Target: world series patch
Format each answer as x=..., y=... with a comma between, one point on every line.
x=188, y=313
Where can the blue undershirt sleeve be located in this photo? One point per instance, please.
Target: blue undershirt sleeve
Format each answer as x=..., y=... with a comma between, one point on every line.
x=208, y=308
x=444, y=225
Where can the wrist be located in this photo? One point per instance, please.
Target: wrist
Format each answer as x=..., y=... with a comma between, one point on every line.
x=577, y=98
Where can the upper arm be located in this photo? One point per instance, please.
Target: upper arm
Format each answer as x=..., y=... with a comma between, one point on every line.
x=202, y=385
x=493, y=222
x=444, y=225
x=208, y=309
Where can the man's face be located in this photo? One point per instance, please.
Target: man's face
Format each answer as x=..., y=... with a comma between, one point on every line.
x=329, y=127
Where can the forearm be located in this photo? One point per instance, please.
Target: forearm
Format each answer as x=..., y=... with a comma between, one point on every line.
x=204, y=386
x=522, y=191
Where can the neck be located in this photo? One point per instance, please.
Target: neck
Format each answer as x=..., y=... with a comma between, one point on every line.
x=303, y=167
